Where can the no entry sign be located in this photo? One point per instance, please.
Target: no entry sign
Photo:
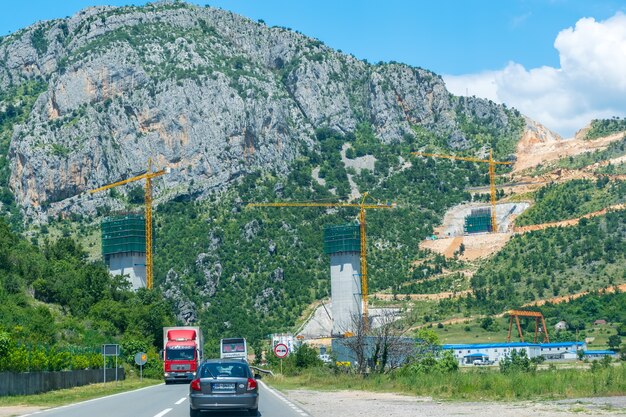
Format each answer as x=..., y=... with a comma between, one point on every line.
x=281, y=350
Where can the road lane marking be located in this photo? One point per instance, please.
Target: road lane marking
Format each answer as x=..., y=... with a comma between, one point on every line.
x=284, y=399
x=88, y=401
x=164, y=412
x=180, y=401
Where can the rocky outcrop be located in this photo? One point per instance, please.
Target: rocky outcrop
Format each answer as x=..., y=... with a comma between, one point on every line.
x=210, y=94
x=186, y=311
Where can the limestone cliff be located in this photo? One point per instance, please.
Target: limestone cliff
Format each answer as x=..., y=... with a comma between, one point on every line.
x=211, y=94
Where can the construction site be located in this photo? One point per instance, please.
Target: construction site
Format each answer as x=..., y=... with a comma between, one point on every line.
x=468, y=232
x=473, y=231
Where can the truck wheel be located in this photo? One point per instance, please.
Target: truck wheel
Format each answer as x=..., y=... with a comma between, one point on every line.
x=194, y=413
x=253, y=411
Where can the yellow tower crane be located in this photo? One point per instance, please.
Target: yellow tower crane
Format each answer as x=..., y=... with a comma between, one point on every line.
x=362, y=208
x=148, y=176
x=492, y=176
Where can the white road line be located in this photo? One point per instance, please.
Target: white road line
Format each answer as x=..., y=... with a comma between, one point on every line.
x=180, y=401
x=283, y=399
x=164, y=412
x=88, y=401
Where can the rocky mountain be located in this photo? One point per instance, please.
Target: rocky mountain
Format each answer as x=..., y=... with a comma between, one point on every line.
x=213, y=95
x=244, y=112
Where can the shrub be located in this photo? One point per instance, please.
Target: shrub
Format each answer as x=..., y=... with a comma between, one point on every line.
x=5, y=345
x=517, y=362
x=60, y=360
x=306, y=357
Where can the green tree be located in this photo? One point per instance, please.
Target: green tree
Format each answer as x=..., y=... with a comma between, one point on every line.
x=614, y=342
x=306, y=357
x=136, y=195
x=517, y=361
x=447, y=362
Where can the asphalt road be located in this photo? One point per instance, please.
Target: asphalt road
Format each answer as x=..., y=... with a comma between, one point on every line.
x=166, y=401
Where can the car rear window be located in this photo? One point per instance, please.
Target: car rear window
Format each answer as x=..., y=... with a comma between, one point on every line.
x=236, y=370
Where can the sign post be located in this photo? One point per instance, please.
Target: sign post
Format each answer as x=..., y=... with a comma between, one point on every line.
x=140, y=359
x=281, y=351
x=110, y=350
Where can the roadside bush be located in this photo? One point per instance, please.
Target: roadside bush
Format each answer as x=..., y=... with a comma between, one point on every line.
x=38, y=360
x=80, y=362
x=447, y=362
x=154, y=366
x=428, y=364
x=17, y=360
x=5, y=345
x=60, y=360
x=131, y=346
x=517, y=362
x=95, y=360
x=306, y=357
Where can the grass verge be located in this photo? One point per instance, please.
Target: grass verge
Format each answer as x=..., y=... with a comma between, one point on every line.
x=77, y=394
x=473, y=385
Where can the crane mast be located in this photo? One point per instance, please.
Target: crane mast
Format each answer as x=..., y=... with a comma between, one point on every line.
x=362, y=206
x=492, y=176
x=148, y=176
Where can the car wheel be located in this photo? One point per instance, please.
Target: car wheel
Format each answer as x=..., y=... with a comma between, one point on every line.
x=253, y=411
x=194, y=413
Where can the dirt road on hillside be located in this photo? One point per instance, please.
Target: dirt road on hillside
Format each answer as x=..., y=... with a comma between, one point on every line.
x=566, y=298
x=570, y=222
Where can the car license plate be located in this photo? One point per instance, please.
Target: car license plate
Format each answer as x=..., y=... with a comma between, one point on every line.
x=223, y=387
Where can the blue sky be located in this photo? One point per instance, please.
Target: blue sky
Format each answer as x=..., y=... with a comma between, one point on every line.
x=460, y=39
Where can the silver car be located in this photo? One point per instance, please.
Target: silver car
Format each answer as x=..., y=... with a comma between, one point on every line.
x=224, y=384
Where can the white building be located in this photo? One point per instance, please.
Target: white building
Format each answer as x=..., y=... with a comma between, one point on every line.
x=599, y=354
x=286, y=339
x=495, y=352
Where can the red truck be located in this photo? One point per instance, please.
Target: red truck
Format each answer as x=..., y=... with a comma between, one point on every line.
x=182, y=353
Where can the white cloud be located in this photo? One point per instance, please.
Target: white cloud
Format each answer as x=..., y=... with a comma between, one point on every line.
x=518, y=21
x=590, y=83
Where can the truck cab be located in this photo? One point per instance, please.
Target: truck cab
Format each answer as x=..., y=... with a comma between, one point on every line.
x=182, y=353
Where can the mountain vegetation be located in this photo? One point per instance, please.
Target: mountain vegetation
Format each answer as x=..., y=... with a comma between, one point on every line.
x=244, y=113
x=267, y=264
x=51, y=296
x=572, y=199
x=605, y=127
x=552, y=262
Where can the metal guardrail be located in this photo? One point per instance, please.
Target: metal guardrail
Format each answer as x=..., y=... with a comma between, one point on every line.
x=263, y=371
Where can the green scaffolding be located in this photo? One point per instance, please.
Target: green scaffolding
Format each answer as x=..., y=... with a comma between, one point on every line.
x=123, y=234
x=344, y=238
x=479, y=221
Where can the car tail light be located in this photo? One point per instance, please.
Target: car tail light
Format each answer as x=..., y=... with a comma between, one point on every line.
x=195, y=384
x=251, y=384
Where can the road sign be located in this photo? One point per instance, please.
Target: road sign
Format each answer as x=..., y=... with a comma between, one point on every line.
x=141, y=358
x=110, y=350
x=281, y=350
